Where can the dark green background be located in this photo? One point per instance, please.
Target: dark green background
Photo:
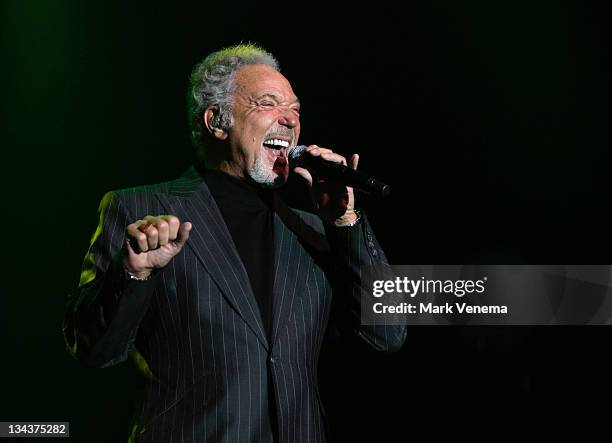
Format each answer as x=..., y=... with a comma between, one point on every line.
x=491, y=121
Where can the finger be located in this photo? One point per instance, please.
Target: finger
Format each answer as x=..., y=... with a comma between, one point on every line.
x=173, y=226
x=143, y=225
x=183, y=233
x=152, y=237
x=161, y=225
x=354, y=161
x=327, y=154
x=315, y=150
x=163, y=230
x=305, y=174
x=131, y=246
x=324, y=150
x=137, y=238
x=333, y=157
x=148, y=227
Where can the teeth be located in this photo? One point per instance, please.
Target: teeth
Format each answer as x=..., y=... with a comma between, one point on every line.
x=277, y=142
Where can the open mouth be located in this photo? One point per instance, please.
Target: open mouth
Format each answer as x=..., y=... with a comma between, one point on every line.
x=276, y=143
x=276, y=149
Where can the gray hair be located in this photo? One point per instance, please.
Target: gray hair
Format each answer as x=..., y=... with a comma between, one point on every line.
x=212, y=84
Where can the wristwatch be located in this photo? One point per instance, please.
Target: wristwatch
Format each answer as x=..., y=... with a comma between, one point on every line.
x=131, y=276
x=354, y=222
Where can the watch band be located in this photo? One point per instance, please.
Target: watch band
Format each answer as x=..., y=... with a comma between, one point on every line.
x=354, y=222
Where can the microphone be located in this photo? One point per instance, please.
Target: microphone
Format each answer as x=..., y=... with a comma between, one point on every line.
x=346, y=175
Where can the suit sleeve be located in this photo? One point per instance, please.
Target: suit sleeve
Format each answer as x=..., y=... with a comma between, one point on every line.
x=355, y=251
x=104, y=312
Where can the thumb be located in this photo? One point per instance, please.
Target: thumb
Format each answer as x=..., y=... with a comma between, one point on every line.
x=183, y=233
x=305, y=174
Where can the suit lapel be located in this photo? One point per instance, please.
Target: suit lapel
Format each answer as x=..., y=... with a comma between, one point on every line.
x=210, y=240
x=291, y=265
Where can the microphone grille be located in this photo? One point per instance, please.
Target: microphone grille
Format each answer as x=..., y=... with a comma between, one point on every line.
x=296, y=152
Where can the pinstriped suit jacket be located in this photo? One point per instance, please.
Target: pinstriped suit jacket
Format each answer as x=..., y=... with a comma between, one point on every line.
x=195, y=327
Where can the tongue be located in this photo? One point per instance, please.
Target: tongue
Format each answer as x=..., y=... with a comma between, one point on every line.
x=280, y=162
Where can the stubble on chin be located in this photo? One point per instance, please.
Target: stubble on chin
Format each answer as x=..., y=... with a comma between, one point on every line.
x=262, y=174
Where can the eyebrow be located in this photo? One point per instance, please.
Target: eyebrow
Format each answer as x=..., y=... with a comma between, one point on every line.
x=274, y=97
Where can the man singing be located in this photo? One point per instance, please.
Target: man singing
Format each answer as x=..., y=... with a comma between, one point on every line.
x=220, y=291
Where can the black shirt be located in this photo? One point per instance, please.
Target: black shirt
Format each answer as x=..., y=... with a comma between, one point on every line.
x=247, y=212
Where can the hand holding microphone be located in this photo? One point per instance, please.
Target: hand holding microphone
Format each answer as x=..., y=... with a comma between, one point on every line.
x=328, y=164
x=334, y=201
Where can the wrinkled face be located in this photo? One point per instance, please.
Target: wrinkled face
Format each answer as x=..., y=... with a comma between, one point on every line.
x=266, y=125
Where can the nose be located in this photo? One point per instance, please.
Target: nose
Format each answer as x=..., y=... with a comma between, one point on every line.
x=288, y=118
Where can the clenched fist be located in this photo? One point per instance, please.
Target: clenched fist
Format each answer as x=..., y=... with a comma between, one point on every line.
x=151, y=243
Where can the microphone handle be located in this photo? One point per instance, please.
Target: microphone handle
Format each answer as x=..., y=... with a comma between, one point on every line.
x=347, y=175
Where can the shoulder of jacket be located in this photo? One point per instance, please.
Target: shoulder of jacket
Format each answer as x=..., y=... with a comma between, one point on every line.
x=155, y=188
x=134, y=196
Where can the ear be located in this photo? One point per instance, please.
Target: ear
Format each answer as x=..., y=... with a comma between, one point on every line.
x=211, y=115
